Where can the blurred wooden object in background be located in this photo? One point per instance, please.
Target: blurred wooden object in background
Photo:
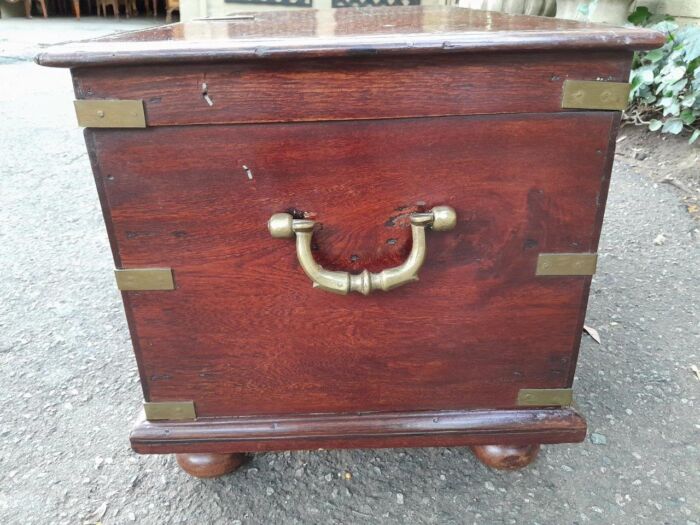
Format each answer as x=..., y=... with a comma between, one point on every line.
x=170, y=6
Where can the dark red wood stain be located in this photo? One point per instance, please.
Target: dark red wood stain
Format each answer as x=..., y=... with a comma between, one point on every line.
x=309, y=33
x=406, y=429
x=355, y=118
x=358, y=88
x=476, y=328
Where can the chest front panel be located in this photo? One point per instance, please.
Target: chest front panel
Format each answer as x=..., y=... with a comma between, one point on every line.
x=244, y=333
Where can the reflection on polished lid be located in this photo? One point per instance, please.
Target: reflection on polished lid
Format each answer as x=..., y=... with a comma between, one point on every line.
x=341, y=32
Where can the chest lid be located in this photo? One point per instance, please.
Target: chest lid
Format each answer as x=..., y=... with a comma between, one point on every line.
x=373, y=31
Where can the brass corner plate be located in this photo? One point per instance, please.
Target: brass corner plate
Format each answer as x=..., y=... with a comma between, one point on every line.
x=138, y=279
x=169, y=410
x=594, y=94
x=566, y=263
x=562, y=397
x=110, y=113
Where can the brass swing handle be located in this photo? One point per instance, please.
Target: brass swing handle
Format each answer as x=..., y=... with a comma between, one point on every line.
x=284, y=226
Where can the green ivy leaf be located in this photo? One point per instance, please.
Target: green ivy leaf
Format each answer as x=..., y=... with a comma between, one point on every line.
x=655, y=125
x=654, y=56
x=634, y=88
x=692, y=66
x=672, y=125
x=666, y=26
x=691, y=42
x=676, y=87
x=645, y=74
x=674, y=109
x=676, y=73
x=687, y=116
x=640, y=16
x=688, y=101
x=694, y=136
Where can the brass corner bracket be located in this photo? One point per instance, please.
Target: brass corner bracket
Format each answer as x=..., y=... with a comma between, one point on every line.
x=566, y=264
x=142, y=279
x=110, y=113
x=172, y=410
x=595, y=94
x=562, y=397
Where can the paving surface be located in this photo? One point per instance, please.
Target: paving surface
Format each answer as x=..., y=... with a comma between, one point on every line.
x=21, y=39
x=70, y=389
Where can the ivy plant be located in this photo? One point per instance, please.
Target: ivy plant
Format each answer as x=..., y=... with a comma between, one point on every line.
x=665, y=82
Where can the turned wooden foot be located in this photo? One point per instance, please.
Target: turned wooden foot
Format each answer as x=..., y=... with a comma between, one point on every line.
x=209, y=465
x=506, y=457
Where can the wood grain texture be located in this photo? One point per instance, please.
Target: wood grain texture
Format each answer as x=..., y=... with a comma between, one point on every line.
x=355, y=118
x=109, y=225
x=346, y=89
x=342, y=32
x=244, y=333
x=602, y=197
x=405, y=429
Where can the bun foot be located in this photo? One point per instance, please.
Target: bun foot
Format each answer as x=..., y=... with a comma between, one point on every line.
x=506, y=457
x=207, y=465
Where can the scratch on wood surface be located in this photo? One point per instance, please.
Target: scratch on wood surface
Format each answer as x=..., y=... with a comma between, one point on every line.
x=205, y=94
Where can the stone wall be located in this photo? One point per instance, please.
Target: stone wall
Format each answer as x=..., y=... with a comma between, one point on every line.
x=684, y=11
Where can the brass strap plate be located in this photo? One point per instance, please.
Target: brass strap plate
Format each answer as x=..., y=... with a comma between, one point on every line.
x=145, y=279
x=169, y=410
x=545, y=397
x=110, y=113
x=566, y=263
x=594, y=94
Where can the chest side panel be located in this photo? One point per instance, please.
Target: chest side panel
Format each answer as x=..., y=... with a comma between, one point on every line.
x=244, y=332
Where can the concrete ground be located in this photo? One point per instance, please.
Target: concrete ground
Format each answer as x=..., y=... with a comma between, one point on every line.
x=21, y=38
x=69, y=387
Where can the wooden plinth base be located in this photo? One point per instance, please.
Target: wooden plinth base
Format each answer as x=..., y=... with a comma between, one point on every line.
x=226, y=435
x=211, y=447
x=209, y=465
x=506, y=457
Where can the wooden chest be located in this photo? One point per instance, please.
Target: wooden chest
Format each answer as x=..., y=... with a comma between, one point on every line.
x=240, y=160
